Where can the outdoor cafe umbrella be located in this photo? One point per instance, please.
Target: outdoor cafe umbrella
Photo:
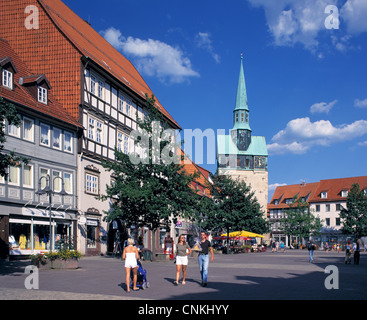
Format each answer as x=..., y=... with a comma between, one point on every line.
x=243, y=233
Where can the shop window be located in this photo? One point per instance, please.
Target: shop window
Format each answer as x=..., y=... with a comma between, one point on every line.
x=20, y=236
x=91, y=236
x=41, y=235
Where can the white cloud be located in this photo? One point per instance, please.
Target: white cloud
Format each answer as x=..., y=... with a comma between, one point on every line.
x=153, y=57
x=294, y=21
x=354, y=13
x=363, y=144
x=273, y=186
x=322, y=107
x=204, y=41
x=360, y=103
x=301, y=134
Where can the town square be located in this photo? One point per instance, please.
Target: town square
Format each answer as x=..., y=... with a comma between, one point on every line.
x=195, y=153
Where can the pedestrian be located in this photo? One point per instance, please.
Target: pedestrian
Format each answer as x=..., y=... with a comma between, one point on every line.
x=131, y=257
x=311, y=248
x=274, y=247
x=282, y=246
x=337, y=247
x=356, y=250
x=326, y=247
x=203, y=258
x=183, y=250
x=348, y=252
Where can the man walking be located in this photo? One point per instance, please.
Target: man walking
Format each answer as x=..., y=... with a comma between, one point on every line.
x=311, y=248
x=203, y=258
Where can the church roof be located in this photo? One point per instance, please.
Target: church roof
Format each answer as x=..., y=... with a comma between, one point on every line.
x=257, y=147
x=241, y=99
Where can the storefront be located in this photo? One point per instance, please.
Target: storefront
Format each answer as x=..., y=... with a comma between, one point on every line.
x=29, y=232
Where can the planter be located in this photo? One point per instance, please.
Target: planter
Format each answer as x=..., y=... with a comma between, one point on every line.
x=65, y=264
x=44, y=264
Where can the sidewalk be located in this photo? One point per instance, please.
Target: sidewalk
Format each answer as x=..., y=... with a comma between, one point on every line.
x=250, y=276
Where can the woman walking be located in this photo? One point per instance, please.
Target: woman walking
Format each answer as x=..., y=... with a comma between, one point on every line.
x=131, y=257
x=183, y=250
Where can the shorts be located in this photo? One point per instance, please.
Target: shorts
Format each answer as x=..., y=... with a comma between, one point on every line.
x=182, y=260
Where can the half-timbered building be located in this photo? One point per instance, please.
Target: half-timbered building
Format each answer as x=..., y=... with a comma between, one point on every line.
x=95, y=84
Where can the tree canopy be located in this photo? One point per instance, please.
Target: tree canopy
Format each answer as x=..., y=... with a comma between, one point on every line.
x=354, y=216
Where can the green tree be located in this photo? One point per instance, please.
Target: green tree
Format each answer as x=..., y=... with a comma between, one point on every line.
x=235, y=206
x=299, y=220
x=354, y=216
x=8, y=112
x=149, y=189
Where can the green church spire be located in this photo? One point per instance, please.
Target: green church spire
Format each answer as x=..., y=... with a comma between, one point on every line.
x=241, y=111
x=241, y=101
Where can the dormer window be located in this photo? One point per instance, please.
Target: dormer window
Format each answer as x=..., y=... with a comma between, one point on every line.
x=324, y=195
x=344, y=193
x=42, y=95
x=8, y=70
x=7, y=79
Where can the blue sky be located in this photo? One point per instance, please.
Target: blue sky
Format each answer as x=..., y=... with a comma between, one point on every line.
x=306, y=83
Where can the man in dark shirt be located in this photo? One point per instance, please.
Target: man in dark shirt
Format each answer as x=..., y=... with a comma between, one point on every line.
x=203, y=258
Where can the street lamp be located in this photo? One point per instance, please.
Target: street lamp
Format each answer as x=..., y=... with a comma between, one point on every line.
x=48, y=190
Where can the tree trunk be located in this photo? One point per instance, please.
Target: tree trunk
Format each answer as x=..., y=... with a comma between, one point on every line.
x=153, y=245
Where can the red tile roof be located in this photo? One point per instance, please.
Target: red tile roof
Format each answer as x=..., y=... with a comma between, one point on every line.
x=21, y=95
x=91, y=44
x=333, y=187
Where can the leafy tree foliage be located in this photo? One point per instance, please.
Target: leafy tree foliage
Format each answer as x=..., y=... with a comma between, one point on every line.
x=235, y=207
x=354, y=216
x=299, y=220
x=151, y=188
x=8, y=112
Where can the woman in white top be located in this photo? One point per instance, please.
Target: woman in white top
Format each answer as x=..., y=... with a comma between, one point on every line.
x=131, y=257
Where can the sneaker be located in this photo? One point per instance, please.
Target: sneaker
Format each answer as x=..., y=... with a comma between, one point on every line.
x=175, y=283
x=204, y=284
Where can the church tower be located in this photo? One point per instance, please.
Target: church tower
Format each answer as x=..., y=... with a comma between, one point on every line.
x=242, y=155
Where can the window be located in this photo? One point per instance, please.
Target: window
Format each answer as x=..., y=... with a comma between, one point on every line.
x=7, y=79
x=95, y=130
x=337, y=221
x=317, y=208
x=327, y=209
x=28, y=125
x=56, y=141
x=91, y=129
x=44, y=181
x=45, y=134
x=121, y=102
x=93, y=82
x=100, y=89
x=344, y=193
x=327, y=221
x=68, y=182
x=28, y=176
x=128, y=107
x=242, y=116
x=323, y=195
x=14, y=175
x=99, y=132
x=42, y=95
x=68, y=141
x=13, y=130
x=122, y=142
x=91, y=185
x=339, y=207
x=56, y=181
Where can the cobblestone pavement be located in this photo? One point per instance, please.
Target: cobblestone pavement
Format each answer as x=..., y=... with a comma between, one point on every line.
x=251, y=276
